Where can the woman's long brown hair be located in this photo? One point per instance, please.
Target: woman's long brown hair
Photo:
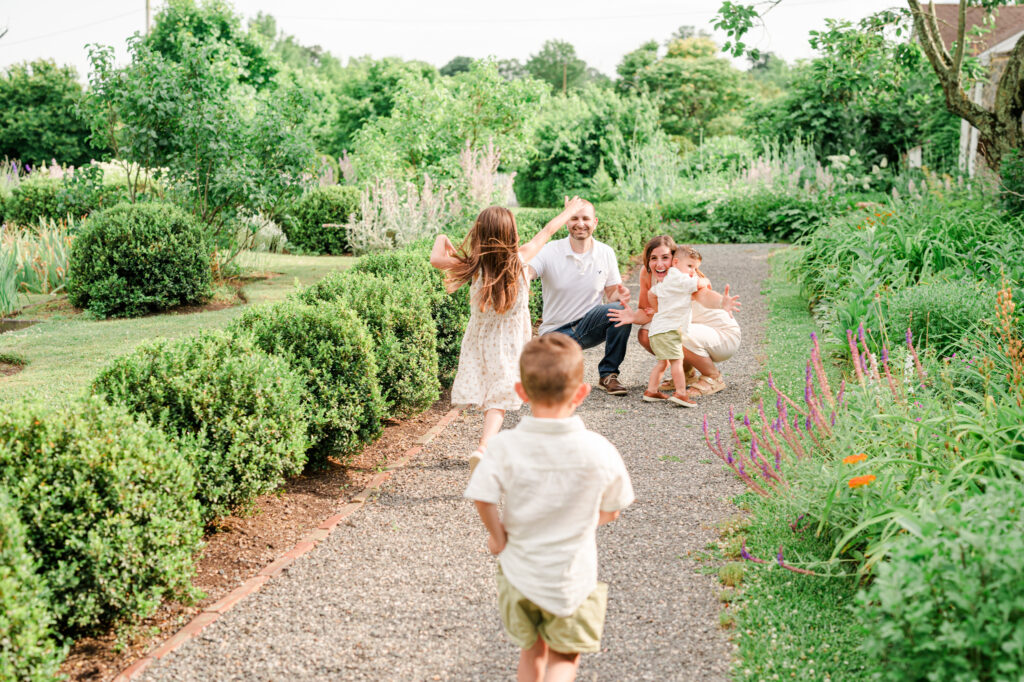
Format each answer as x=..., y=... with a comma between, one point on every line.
x=491, y=249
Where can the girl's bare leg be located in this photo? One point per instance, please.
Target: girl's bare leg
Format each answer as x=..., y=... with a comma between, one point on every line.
x=562, y=667
x=532, y=662
x=493, y=419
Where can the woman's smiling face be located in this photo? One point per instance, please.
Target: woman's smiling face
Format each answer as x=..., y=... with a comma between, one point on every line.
x=660, y=261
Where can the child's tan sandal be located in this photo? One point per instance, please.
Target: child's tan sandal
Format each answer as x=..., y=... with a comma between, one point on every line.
x=667, y=386
x=692, y=377
x=709, y=385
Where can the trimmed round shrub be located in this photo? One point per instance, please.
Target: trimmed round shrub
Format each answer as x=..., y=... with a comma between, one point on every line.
x=331, y=350
x=28, y=646
x=134, y=259
x=330, y=205
x=235, y=412
x=34, y=198
x=107, y=504
x=940, y=313
x=397, y=314
x=449, y=311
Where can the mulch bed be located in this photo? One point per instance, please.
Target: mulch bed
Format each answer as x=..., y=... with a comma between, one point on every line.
x=239, y=546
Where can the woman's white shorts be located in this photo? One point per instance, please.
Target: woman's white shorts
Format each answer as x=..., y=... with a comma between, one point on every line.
x=708, y=342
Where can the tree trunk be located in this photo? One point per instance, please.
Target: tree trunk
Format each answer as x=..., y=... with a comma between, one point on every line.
x=999, y=130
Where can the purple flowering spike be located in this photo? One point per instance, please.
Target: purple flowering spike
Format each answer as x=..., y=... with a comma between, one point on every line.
x=885, y=354
x=814, y=337
x=746, y=421
x=746, y=555
x=705, y=426
x=832, y=419
x=910, y=337
x=729, y=458
x=778, y=460
x=860, y=333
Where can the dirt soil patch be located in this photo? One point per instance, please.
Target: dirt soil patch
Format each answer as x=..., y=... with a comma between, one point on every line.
x=239, y=547
x=7, y=369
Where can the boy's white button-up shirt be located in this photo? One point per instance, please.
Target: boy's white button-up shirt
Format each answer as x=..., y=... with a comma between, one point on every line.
x=675, y=294
x=573, y=283
x=555, y=476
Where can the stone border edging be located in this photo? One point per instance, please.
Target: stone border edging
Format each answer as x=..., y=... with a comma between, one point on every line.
x=211, y=613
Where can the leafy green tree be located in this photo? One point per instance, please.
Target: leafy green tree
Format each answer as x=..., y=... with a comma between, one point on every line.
x=365, y=90
x=511, y=69
x=456, y=65
x=432, y=119
x=183, y=25
x=1000, y=126
x=557, y=65
x=38, y=119
x=221, y=147
x=577, y=136
x=863, y=92
x=698, y=93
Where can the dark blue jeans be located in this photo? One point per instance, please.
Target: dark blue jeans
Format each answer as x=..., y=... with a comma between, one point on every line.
x=595, y=328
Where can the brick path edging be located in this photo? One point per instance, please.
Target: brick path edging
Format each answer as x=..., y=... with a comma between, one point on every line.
x=215, y=610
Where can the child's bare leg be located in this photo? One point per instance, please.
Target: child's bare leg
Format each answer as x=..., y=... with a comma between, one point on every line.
x=493, y=419
x=562, y=667
x=655, y=379
x=532, y=662
x=678, y=374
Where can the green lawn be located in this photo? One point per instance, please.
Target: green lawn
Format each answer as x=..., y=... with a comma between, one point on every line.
x=791, y=626
x=64, y=353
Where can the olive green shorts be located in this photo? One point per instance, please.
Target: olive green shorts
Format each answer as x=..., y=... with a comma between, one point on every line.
x=524, y=620
x=667, y=345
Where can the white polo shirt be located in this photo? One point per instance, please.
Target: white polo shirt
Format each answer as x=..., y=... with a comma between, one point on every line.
x=555, y=476
x=573, y=283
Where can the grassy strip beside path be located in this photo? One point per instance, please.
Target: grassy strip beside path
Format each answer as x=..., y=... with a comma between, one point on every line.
x=791, y=626
x=64, y=354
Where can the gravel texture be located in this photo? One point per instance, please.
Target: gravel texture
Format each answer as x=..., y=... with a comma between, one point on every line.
x=404, y=589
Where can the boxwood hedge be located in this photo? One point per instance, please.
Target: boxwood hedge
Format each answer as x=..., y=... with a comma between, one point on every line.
x=396, y=312
x=331, y=205
x=133, y=259
x=329, y=348
x=449, y=311
x=28, y=644
x=108, y=509
x=235, y=412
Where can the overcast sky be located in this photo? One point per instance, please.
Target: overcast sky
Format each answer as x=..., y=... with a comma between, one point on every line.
x=601, y=30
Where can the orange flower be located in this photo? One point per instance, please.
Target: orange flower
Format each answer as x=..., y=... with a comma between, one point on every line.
x=858, y=481
x=853, y=459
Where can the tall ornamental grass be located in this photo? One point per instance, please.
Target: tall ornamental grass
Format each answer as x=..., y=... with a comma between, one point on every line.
x=33, y=260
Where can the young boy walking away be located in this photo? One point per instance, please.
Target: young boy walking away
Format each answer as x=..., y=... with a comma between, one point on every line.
x=560, y=482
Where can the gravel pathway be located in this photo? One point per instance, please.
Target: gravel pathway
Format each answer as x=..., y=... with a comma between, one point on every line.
x=404, y=590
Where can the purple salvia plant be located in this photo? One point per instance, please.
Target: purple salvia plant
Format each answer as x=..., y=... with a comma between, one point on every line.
x=888, y=376
x=819, y=369
x=856, y=356
x=746, y=555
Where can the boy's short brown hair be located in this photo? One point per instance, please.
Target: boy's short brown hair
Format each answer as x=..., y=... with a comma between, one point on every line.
x=686, y=251
x=551, y=369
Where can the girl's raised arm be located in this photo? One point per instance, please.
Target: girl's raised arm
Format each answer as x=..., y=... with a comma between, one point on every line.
x=443, y=255
x=533, y=247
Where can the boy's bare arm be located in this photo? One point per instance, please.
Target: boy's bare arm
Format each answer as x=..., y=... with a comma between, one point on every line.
x=604, y=517
x=496, y=535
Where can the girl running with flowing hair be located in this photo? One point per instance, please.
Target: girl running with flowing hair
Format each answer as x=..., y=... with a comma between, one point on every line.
x=493, y=262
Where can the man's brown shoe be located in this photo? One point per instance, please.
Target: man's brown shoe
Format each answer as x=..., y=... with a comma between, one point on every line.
x=610, y=384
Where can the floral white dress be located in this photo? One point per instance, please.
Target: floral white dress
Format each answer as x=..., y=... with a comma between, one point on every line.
x=489, y=357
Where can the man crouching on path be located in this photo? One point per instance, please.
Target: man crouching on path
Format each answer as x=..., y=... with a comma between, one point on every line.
x=575, y=273
x=560, y=482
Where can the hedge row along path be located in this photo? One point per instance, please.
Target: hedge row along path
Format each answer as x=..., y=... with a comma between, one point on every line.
x=404, y=589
